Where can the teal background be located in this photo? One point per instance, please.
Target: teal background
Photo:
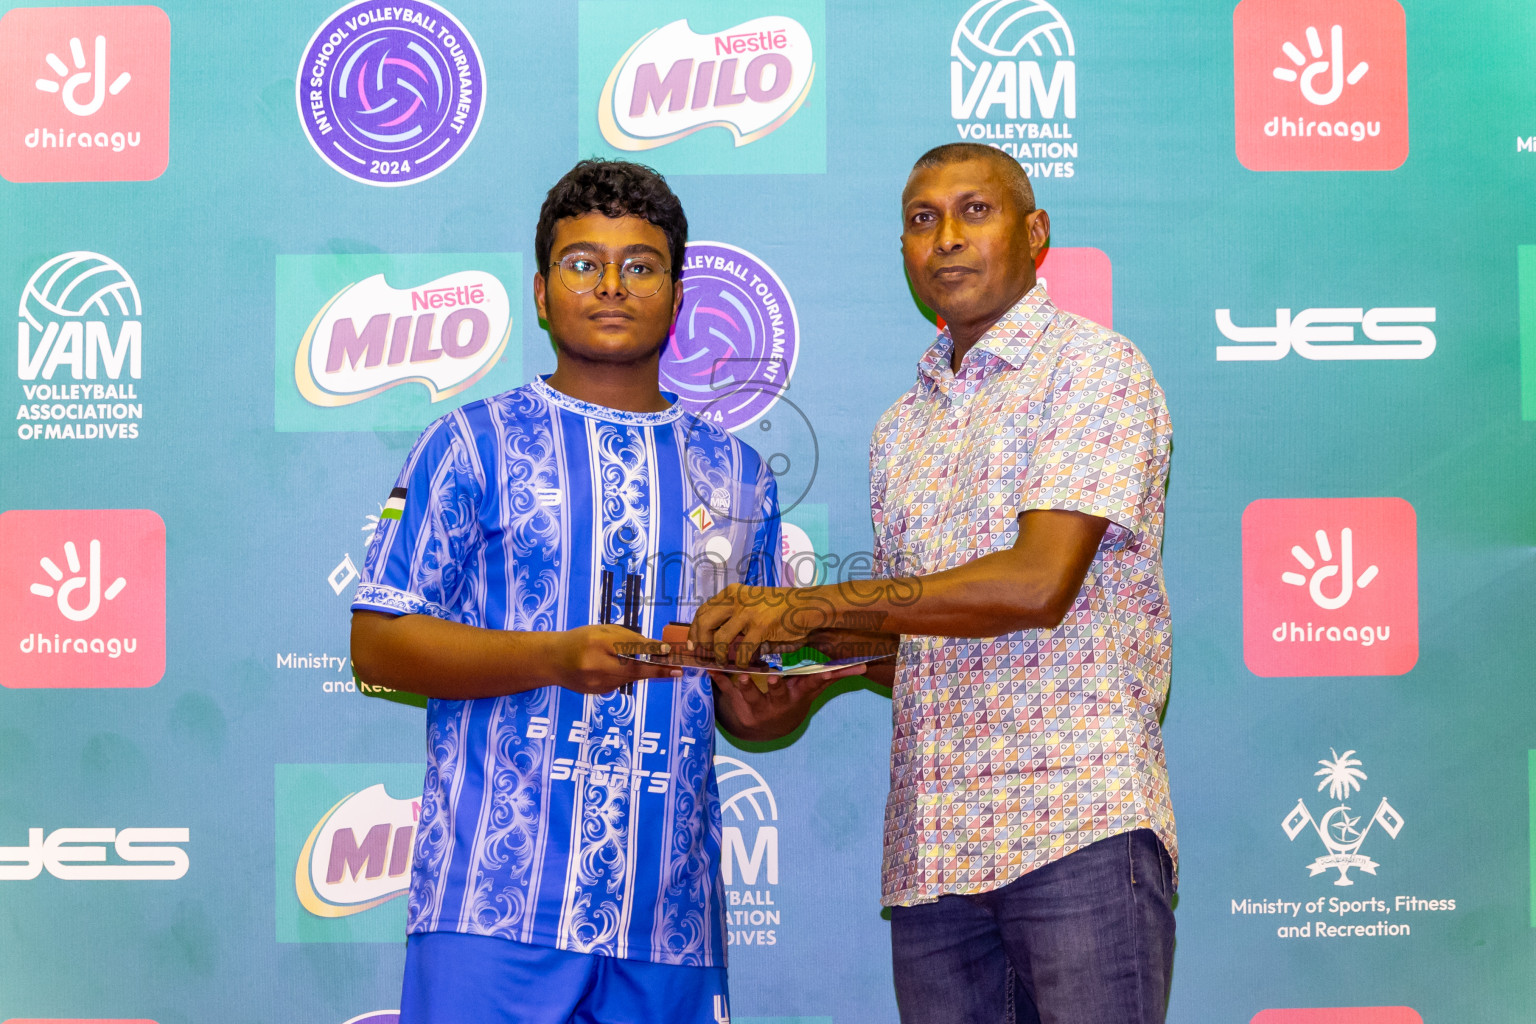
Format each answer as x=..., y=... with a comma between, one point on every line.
x=306, y=283
x=256, y=519
x=608, y=28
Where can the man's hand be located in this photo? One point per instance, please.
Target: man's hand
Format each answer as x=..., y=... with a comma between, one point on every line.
x=736, y=623
x=586, y=662
x=755, y=713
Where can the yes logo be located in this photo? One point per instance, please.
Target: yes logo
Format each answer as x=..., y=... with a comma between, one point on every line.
x=80, y=855
x=1391, y=332
x=1321, y=85
x=1330, y=587
x=84, y=599
x=698, y=96
x=84, y=93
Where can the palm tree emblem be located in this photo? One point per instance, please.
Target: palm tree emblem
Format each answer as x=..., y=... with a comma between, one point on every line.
x=1340, y=775
x=1339, y=829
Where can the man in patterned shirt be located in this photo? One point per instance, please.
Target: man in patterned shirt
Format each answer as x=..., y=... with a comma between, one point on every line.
x=566, y=865
x=1017, y=493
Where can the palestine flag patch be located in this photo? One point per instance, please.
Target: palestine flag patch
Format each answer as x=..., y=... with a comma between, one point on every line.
x=394, y=508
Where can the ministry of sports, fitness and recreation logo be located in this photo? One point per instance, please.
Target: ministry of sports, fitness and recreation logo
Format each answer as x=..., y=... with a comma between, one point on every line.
x=344, y=847
x=79, y=351
x=734, y=345
x=1320, y=85
x=83, y=598
x=85, y=93
x=381, y=342
x=1013, y=83
x=391, y=91
x=1339, y=828
x=698, y=96
x=1330, y=587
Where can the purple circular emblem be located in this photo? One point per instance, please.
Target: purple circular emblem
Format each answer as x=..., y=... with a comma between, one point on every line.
x=733, y=348
x=390, y=91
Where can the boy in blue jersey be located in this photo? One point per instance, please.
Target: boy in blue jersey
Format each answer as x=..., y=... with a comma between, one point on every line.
x=566, y=864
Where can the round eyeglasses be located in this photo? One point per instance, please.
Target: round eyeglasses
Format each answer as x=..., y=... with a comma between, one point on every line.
x=641, y=276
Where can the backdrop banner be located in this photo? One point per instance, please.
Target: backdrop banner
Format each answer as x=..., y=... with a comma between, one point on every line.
x=254, y=249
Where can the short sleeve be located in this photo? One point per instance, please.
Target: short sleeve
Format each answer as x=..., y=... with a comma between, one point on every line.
x=428, y=538
x=1103, y=442
x=766, y=568
x=880, y=444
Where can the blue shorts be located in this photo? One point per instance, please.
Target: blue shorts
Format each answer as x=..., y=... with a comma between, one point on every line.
x=476, y=979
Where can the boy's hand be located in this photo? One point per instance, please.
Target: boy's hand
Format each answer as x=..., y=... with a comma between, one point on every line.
x=586, y=661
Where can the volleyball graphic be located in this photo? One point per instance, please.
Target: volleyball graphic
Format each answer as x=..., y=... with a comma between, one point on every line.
x=743, y=789
x=734, y=346
x=1005, y=29
x=78, y=284
x=390, y=92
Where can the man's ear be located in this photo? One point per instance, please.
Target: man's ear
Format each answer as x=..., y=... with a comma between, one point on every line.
x=539, y=297
x=1039, y=232
x=677, y=298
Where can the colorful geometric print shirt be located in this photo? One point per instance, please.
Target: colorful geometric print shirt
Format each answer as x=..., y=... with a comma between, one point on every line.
x=585, y=823
x=1011, y=752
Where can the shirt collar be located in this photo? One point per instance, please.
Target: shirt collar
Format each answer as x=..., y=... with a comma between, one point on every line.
x=1008, y=341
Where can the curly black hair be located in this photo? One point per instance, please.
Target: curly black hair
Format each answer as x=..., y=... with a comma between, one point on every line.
x=614, y=188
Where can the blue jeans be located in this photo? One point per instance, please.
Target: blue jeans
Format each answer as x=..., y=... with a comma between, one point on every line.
x=1087, y=939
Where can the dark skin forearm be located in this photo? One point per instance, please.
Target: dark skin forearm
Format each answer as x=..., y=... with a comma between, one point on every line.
x=1030, y=586
x=452, y=661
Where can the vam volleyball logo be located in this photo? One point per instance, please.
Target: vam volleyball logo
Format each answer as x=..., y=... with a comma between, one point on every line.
x=399, y=336
x=734, y=346
x=749, y=854
x=1320, y=85
x=83, y=605
x=1013, y=83
x=1330, y=587
x=705, y=88
x=390, y=92
x=79, y=351
x=85, y=93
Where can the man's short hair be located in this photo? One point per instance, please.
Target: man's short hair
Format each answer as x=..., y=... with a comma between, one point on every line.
x=959, y=152
x=614, y=188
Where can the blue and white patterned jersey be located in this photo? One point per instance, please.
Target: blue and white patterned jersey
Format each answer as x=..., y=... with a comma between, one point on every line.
x=586, y=823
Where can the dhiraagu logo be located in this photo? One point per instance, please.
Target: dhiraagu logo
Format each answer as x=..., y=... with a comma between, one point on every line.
x=392, y=342
x=345, y=833
x=697, y=88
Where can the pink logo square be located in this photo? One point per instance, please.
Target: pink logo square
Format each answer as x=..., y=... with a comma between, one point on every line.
x=1340, y=1015
x=85, y=93
x=1080, y=281
x=82, y=598
x=1330, y=587
x=1320, y=85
